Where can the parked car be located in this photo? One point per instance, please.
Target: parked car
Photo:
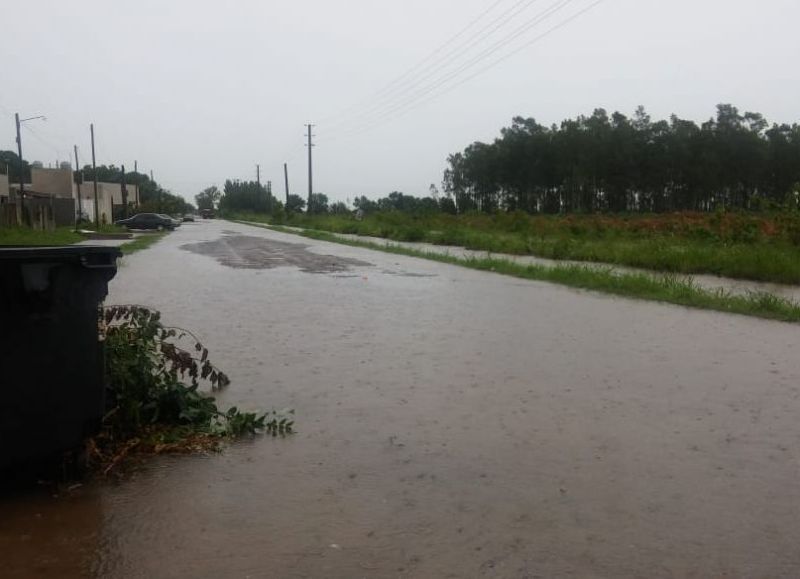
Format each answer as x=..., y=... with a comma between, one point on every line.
x=149, y=221
x=176, y=222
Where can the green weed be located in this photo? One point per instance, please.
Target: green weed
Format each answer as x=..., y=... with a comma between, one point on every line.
x=155, y=384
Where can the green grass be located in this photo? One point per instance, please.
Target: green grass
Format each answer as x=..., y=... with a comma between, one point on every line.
x=104, y=228
x=730, y=245
x=27, y=236
x=142, y=242
x=66, y=236
x=662, y=288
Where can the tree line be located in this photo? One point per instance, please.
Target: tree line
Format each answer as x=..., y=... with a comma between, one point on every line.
x=617, y=164
x=252, y=196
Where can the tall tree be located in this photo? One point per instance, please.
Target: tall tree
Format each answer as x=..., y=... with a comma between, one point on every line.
x=208, y=198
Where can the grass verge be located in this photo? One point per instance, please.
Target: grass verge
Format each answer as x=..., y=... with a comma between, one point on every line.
x=142, y=242
x=662, y=288
x=28, y=236
x=753, y=247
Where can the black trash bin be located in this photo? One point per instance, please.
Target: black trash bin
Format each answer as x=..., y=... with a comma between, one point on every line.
x=52, y=384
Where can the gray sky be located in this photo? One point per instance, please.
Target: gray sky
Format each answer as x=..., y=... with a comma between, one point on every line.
x=200, y=91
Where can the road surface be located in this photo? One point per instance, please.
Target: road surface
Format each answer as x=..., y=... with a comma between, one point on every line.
x=451, y=423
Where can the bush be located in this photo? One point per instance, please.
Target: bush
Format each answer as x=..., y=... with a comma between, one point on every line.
x=155, y=395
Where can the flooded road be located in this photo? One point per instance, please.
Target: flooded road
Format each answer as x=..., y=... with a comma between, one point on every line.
x=451, y=423
x=705, y=281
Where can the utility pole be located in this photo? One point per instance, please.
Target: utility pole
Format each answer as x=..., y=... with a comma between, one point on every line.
x=78, y=183
x=124, y=191
x=138, y=181
x=310, y=145
x=22, y=163
x=94, y=170
x=286, y=183
x=21, y=170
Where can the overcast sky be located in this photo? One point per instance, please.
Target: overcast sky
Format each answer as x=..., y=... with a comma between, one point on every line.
x=200, y=91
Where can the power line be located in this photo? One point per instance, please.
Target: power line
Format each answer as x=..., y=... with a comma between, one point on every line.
x=529, y=24
x=310, y=146
x=59, y=152
x=397, y=80
x=454, y=73
x=457, y=53
x=409, y=107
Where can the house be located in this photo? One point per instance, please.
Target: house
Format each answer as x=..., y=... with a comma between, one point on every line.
x=109, y=195
x=4, y=190
x=60, y=183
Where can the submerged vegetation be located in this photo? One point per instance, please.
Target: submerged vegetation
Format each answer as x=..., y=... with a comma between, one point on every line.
x=156, y=402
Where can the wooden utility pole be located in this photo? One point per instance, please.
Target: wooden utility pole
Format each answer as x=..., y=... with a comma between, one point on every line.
x=124, y=191
x=138, y=181
x=94, y=170
x=286, y=183
x=310, y=145
x=21, y=170
x=78, y=183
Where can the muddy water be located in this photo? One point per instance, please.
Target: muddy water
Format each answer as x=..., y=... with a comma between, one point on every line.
x=711, y=282
x=452, y=423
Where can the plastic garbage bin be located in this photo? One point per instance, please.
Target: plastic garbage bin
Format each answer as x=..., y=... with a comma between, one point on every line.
x=52, y=384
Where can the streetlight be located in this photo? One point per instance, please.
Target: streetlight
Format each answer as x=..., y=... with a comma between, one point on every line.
x=21, y=165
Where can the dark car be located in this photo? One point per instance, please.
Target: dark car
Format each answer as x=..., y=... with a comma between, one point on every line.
x=148, y=221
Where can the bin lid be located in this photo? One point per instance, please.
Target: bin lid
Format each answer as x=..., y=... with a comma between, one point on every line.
x=96, y=255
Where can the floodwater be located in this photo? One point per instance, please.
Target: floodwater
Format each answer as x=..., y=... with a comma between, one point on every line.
x=706, y=281
x=451, y=423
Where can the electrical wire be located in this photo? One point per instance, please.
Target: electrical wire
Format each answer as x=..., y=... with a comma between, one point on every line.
x=528, y=25
x=59, y=152
x=397, y=80
x=413, y=105
x=453, y=56
x=452, y=76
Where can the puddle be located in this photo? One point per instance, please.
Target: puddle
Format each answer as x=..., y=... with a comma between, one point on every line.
x=246, y=252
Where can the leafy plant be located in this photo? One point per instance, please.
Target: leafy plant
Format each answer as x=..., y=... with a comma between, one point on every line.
x=155, y=374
